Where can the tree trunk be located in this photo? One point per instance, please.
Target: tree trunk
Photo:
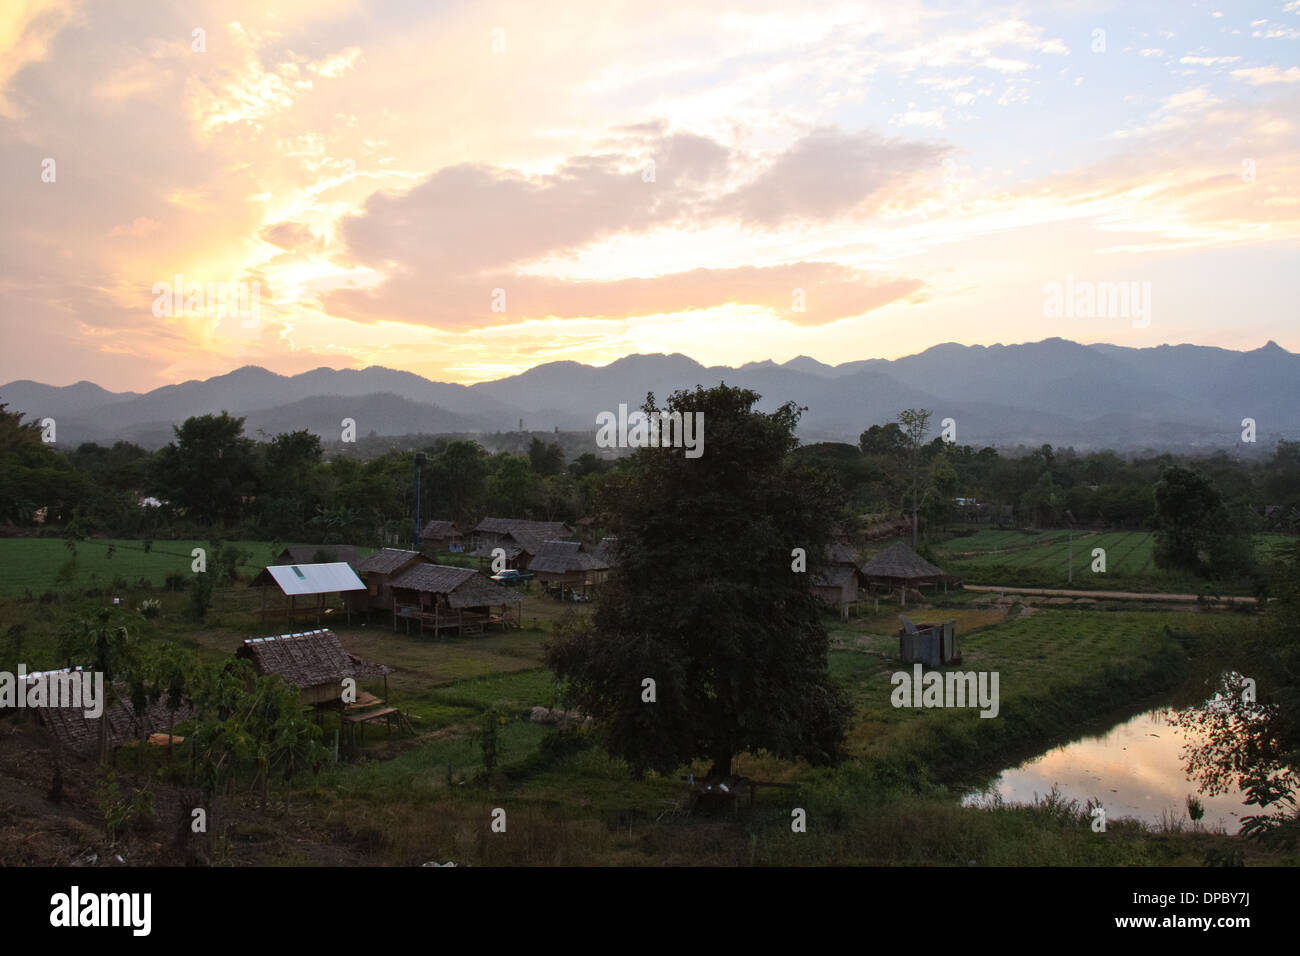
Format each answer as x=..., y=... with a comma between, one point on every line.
x=914, y=508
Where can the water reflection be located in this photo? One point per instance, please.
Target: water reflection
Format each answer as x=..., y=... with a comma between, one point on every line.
x=1136, y=770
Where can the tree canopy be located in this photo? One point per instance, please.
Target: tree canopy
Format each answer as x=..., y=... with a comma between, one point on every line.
x=1193, y=528
x=729, y=633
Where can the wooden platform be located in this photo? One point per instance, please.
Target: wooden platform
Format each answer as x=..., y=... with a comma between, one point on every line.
x=460, y=622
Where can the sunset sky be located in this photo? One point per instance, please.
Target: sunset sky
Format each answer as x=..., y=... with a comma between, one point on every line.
x=920, y=171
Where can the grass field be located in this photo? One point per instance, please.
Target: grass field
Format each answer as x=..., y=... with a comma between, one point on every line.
x=405, y=799
x=33, y=564
x=1039, y=559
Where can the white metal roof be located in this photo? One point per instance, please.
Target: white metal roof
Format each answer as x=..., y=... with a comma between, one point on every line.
x=315, y=578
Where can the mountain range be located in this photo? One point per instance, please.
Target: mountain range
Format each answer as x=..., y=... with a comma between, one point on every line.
x=1055, y=391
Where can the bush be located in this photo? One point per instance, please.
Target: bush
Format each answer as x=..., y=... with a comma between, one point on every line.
x=120, y=811
x=554, y=747
x=201, y=596
x=150, y=607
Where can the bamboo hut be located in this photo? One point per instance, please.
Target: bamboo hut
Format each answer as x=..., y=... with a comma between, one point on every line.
x=489, y=531
x=837, y=583
x=378, y=571
x=314, y=662
x=898, y=566
x=520, y=548
x=317, y=664
x=564, y=569
x=443, y=536
x=452, y=599
x=71, y=731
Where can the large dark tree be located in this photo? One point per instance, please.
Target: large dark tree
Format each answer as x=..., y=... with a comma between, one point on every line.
x=32, y=474
x=208, y=469
x=458, y=472
x=705, y=601
x=1193, y=530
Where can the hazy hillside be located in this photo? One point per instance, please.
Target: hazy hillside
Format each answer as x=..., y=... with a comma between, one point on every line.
x=1051, y=391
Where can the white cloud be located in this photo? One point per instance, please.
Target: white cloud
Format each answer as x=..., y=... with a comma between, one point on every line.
x=1267, y=75
x=929, y=118
x=1006, y=66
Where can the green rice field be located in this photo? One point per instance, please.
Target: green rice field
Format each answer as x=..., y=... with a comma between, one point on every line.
x=34, y=564
x=1128, y=553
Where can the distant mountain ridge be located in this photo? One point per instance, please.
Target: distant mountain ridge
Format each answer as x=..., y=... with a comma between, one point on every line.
x=1054, y=391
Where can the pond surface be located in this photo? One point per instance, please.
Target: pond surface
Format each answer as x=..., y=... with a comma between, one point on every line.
x=1135, y=770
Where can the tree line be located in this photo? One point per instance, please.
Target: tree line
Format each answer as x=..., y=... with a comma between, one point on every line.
x=212, y=478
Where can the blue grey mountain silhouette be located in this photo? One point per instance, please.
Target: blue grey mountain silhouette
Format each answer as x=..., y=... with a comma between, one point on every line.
x=1054, y=391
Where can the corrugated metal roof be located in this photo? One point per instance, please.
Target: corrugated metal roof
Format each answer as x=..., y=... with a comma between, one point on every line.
x=315, y=578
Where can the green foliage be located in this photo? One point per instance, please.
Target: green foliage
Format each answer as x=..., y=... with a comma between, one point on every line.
x=209, y=469
x=730, y=634
x=546, y=458
x=1193, y=528
x=229, y=559
x=248, y=725
x=120, y=811
x=488, y=738
x=33, y=476
x=1251, y=740
x=200, y=596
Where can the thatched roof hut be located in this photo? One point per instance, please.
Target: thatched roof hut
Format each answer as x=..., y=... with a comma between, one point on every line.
x=898, y=566
x=564, y=565
x=388, y=561
x=837, y=583
x=458, y=599
x=442, y=535
x=841, y=555
x=73, y=732
x=378, y=571
x=520, y=548
x=314, y=662
x=491, y=530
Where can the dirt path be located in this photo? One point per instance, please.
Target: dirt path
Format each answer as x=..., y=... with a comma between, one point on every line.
x=1149, y=596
